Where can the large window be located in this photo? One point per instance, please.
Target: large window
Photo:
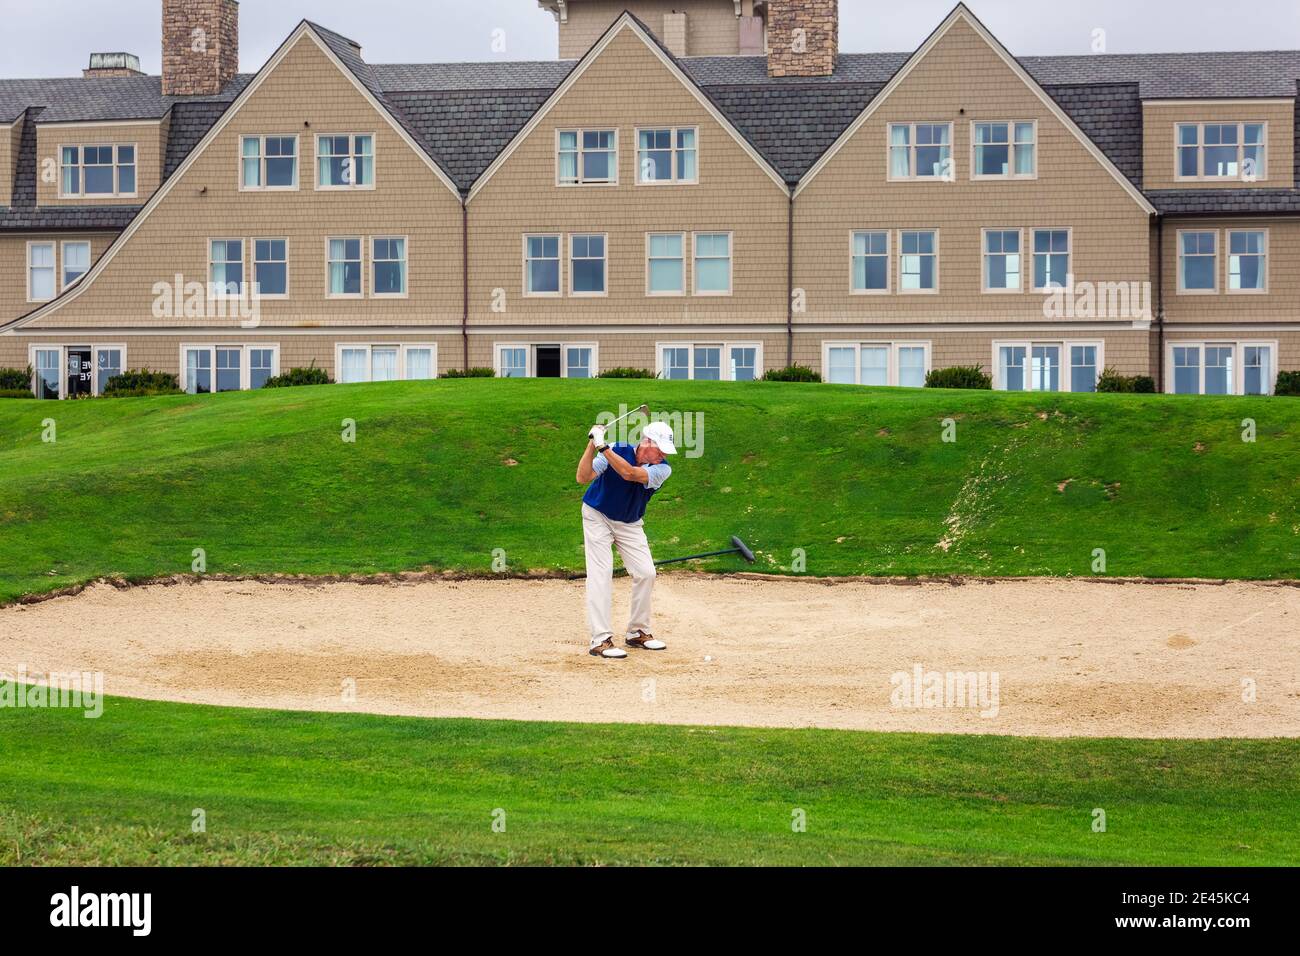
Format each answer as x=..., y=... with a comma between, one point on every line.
x=42, y=274
x=225, y=268
x=379, y=362
x=345, y=162
x=1084, y=371
x=918, y=261
x=344, y=268
x=587, y=265
x=902, y=364
x=710, y=361
x=547, y=360
x=588, y=157
x=1198, y=261
x=1247, y=260
x=48, y=365
x=713, y=263
x=666, y=156
x=541, y=265
x=1004, y=150
x=920, y=151
x=1221, y=368
x=1051, y=259
x=97, y=171
x=108, y=363
x=1002, y=271
x=666, y=264
x=1046, y=366
x=76, y=261
x=871, y=262
x=271, y=266
x=1222, y=151
x=269, y=162
x=66, y=371
x=388, y=266
x=227, y=367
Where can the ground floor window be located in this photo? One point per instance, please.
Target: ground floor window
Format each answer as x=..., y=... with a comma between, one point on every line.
x=74, y=371
x=903, y=364
x=365, y=362
x=547, y=360
x=710, y=361
x=227, y=367
x=1221, y=368
x=1047, y=366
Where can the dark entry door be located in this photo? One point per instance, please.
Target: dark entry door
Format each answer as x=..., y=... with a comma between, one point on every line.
x=547, y=361
x=80, y=372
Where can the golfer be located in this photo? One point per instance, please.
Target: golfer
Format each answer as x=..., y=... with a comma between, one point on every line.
x=623, y=479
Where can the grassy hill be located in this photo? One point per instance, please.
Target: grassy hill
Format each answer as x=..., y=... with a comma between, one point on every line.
x=442, y=473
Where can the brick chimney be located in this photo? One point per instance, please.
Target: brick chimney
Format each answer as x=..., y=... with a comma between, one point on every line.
x=200, y=40
x=803, y=37
x=112, y=64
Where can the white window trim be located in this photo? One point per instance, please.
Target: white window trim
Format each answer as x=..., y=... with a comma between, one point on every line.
x=245, y=372
x=288, y=278
x=95, y=349
x=1200, y=176
x=893, y=345
x=1238, y=347
x=63, y=259
x=889, y=261
x=1227, y=262
x=899, y=257
x=984, y=254
x=731, y=263
x=27, y=266
x=1028, y=344
x=911, y=153
x=1031, y=265
x=369, y=347
x=406, y=270
x=530, y=363
x=262, y=138
x=572, y=271
x=81, y=165
x=596, y=183
x=685, y=277
x=374, y=162
x=724, y=357
x=559, y=265
x=1178, y=261
x=361, y=245
x=1011, y=164
x=212, y=293
x=636, y=143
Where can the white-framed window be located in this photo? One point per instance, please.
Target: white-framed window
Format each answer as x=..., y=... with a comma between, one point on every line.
x=1220, y=368
x=587, y=264
x=579, y=361
x=512, y=361
x=1247, y=260
x=665, y=265
x=345, y=161
x=1051, y=259
x=227, y=366
x=869, y=257
x=542, y=265
x=42, y=272
x=902, y=364
x=921, y=151
x=388, y=266
x=1222, y=151
x=712, y=267
x=225, y=268
x=1047, y=366
x=587, y=157
x=918, y=260
x=1198, y=261
x=667, y=155
x=271, y=267
x=344, y=268
x=1004, y=150
x=547, y=359
x=60, y=371
x=709, y=361
x=1002, y=261
x=76, y=261
x=268, y=162
x=384, y=362
x=97, y=171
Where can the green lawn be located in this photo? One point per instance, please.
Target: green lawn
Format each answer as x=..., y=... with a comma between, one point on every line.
x=283, y=788
x=858, y=478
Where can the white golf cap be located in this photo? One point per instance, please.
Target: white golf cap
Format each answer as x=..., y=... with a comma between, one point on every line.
x=661, y=434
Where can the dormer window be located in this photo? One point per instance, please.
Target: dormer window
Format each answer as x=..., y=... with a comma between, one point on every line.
x=1222, y=151
x=97, y=171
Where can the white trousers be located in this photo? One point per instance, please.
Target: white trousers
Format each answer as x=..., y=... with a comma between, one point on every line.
x=599, y=534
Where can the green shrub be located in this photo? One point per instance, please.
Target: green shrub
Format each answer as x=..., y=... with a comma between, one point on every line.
x=959, y=376
x=1288, y=383
x=311, y=375
x=470, y=373
x=626, y=373
x=1112, y=381
x=137, y=382
x=16, y=393
x=16, y=379
x=791, y=373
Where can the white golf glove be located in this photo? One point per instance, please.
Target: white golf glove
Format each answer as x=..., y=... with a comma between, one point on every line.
x=597, y=435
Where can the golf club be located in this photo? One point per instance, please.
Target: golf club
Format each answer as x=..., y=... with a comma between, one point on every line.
x=738, y=547
x=640, y=409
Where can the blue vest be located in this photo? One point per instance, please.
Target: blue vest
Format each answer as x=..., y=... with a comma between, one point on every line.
x=614, y=496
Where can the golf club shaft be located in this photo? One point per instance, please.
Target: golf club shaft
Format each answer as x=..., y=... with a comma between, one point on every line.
x=696, y=557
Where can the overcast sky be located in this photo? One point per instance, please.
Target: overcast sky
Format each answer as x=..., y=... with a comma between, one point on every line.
x=56, y=37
